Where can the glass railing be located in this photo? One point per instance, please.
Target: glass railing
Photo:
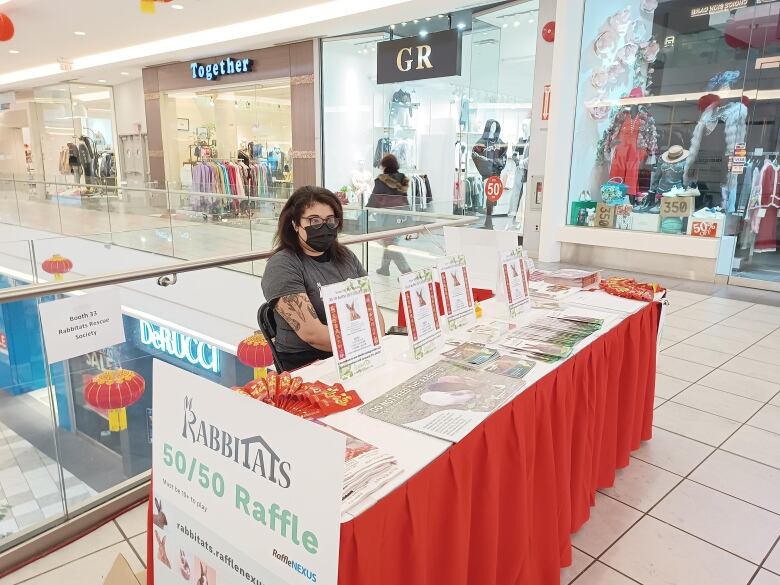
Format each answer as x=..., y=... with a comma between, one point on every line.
x=61, y=453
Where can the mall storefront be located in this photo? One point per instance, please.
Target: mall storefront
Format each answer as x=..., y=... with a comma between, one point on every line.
x=674, y=141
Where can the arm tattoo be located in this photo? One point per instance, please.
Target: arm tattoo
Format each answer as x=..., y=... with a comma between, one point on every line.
x=293, y=308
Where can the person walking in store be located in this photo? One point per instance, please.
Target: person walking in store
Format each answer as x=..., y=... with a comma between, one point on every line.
x=390, y=192
x=307, y=256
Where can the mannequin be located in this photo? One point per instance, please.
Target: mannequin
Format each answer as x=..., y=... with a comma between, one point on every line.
x=489, y=156
x=669, y=173
x=630, y=139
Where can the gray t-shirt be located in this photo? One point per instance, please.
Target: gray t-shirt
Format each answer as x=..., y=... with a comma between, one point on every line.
x=287, y=273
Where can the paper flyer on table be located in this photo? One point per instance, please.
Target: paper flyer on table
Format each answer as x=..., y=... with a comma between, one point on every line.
x=514, y=281
x=446, y=400
x=353, y=323
x=456, y=292
x=422, y=316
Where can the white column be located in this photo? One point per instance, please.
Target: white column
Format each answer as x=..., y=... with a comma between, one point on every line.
x=560, y=133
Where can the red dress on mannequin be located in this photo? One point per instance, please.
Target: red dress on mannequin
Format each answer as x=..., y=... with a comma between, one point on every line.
x=766, y=239
x=628, y=156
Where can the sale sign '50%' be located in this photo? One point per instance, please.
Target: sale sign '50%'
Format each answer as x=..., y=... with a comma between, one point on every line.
x=494, y=188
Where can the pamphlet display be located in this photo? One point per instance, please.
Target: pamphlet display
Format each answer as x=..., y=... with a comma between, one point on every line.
x=353, y=323
x=514, y=281
x=233, y=491
x=446, y=400
x=422, y=315
x=456, y=292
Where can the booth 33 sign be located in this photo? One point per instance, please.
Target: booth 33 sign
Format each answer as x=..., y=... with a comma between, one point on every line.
x=434, y=55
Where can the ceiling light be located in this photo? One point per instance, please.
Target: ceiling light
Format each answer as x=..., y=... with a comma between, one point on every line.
x=423, y=33
x=403, y=24
x=416, y=21
x=392, y=27
x=517, y=23
x=441, y=16
x=461, y=25
x=177, y=6
x=427, y=18
x=80, y=33
x=14, y=52
x=101, y=80
x=505, y=25
x=123, y=73
x=531, y=20
x=250, y=28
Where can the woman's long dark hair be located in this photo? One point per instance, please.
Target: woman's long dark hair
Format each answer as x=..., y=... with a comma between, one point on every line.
x=287, y=238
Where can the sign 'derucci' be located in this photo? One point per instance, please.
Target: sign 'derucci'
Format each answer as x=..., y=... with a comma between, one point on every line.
x=435, y=55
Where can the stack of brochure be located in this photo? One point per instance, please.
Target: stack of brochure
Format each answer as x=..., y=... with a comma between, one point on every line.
x=553, y=337
x=366, y=469
x=556, y=292
x=584, y=279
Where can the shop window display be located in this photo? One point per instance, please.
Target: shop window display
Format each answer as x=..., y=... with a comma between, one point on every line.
x=449, y=134
x=231, y=140
x=673, y=132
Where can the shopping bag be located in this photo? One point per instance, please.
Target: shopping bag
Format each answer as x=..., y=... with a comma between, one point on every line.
x=579, y=209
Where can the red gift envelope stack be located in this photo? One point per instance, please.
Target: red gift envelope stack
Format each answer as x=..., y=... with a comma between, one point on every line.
x=305, y=399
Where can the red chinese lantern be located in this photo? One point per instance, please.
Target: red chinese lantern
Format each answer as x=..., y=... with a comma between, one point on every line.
x=57, y=265
x=548, y=31
x=114, y=390
x=255, y=352
x=6, y=28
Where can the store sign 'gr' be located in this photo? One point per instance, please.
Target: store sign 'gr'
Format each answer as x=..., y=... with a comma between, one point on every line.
x=227, y=66
x=179, y=345
x=422, y=57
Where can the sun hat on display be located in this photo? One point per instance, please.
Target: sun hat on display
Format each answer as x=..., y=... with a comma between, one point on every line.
x=675, y=154
x=708, y=100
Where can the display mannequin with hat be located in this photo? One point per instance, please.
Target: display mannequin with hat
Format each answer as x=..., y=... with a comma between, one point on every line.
x=667, y=177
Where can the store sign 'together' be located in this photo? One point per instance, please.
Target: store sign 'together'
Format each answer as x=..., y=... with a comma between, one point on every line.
x=413, y=58
x=227, y=66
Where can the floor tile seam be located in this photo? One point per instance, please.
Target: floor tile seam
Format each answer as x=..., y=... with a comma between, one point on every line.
x=762, y=428
x=724, y=368
x=740, y=395
x=90, y=553
x=776, y=545
x=707, y=411
x=655, y=423
x=688, y=341
x=699, y=363
x=724, y=449
x=583, y=571
x=608, y=566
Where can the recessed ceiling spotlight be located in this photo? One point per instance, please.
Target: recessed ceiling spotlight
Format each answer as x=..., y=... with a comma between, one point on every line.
x=427, y=18
x=506, y=25
x=101, y=80
x=530, y=20
x=403, y=24
x=14, y=52
x=461, y=25
x=177, y=6
x=392, y=27
x=80, y=33
x=441, y=16
x=123, y=73
x=517, y=23
x=423, y=33
x=416, y=21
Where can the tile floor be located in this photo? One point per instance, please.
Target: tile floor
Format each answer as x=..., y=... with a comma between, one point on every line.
x=698, y=505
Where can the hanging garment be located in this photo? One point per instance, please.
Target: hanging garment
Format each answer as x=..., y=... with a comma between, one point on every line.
x=747, y=182
x=383, y=146
x=628, y=156
x=766, y=239
x=401, y=109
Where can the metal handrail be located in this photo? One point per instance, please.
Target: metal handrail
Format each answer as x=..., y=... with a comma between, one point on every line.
x=39, y=290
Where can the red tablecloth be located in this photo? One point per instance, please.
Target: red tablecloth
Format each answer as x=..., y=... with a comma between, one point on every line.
x=499, y=507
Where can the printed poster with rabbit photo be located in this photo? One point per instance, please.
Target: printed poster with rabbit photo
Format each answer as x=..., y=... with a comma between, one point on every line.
x=513, y=285
x=456, y=292
x=422, y=315
x=234, y=497
x=354, y=326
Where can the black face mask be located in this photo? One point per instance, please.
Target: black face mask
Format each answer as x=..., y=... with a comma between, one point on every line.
x=320, y=238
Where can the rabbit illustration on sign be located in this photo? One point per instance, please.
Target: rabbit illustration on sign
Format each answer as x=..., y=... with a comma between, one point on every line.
x=203, y=579
x=455, y=281
x=514, y=271
x=353, y=314
x=158, y=518
x=184, y=566
x=162, y=555
x=420, y=299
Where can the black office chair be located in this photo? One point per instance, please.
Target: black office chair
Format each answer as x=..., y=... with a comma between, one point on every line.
x=267, y=323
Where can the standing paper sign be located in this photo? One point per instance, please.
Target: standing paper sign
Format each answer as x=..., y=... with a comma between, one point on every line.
x=514, y=281
x=422, y=315
x=353, y=324
x=456, y=292
x=243, y=492
x=81, y=324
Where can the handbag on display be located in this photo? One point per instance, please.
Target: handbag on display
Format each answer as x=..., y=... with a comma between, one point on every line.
x=579, y=209
x=614, y=192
